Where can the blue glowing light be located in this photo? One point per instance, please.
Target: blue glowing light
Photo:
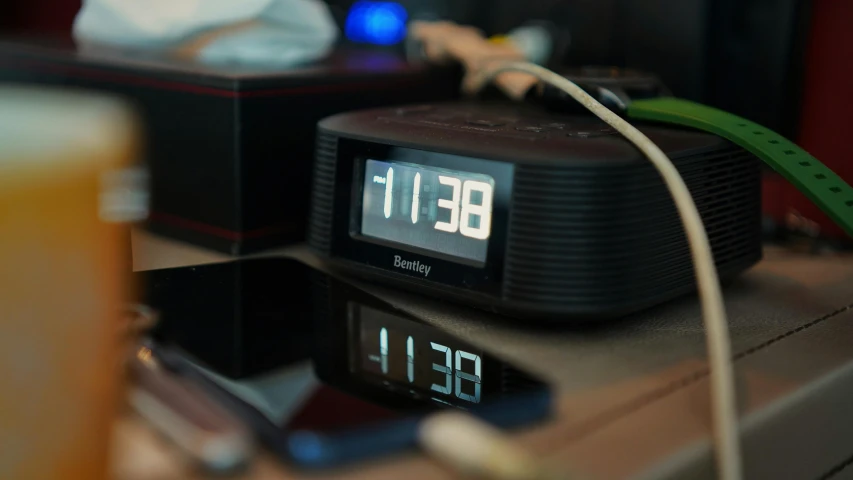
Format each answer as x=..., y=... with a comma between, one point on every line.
x=379, y=23
x=306, y=446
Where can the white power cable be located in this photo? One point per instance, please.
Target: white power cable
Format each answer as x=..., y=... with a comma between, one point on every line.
x=723, y=395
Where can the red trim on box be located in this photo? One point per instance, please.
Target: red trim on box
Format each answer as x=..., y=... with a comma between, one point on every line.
x=126, y=79
x=201, y=227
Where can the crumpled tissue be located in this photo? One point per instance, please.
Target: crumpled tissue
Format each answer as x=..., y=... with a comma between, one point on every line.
x=266, y=32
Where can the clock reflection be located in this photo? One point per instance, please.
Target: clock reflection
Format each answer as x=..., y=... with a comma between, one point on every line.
x=252, y=318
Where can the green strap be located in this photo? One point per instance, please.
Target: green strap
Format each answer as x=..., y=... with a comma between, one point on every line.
x=820, y=184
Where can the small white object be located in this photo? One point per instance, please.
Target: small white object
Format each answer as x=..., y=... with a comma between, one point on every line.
x=534, y=41
x=124, y=195
x=477, y=448
x=282, y=32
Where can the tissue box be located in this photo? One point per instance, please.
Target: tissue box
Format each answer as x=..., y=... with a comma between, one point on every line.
x=229, y=148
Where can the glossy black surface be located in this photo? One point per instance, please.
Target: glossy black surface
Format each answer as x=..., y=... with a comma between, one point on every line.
x=239, y=318
x=273, y=316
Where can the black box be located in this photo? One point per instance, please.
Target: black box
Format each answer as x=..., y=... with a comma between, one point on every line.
x=229, y=148
x=239, y=318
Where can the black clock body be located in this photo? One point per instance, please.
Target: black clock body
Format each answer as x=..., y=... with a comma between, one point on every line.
x=559, y=218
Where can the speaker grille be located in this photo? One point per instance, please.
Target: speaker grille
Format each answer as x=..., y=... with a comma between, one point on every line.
x=322, y=196
x=579, y=237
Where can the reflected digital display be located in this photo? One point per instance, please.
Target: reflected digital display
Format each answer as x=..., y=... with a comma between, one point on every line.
x=430, y=208
x=416, y=357
x=319, y=343
x=324, y=372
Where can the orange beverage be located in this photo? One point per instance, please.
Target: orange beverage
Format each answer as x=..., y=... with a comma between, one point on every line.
x=62, y=280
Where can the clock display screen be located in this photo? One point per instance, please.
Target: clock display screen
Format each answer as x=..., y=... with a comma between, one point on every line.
x=443, y=211
x=417, y=358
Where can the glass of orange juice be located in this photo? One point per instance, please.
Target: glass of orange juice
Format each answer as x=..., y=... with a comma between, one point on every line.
x=63, y=273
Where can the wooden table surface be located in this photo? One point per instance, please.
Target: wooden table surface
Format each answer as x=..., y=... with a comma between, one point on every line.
x=666, y=394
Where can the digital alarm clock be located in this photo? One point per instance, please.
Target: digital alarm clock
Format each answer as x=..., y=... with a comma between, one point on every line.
x=523, y=212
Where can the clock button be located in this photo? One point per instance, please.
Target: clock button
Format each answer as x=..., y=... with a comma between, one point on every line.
x=530, y=128
x=414, y=110
x=440, y=116
x=486, y=123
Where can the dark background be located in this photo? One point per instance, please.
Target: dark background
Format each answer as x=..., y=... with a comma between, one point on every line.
x=783, y=63
x=746, y=56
